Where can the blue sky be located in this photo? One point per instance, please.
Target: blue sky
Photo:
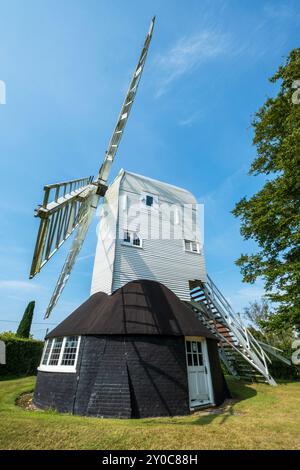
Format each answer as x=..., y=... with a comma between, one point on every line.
x=67, y=64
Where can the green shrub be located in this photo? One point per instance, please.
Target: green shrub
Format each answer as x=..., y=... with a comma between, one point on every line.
x=23, y=355
x=279, y=370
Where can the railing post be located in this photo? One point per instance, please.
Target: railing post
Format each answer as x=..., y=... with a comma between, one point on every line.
x=46, y=196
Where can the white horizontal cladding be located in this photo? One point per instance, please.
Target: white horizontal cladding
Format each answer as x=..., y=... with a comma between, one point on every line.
x=162, y=227
x=164, y=261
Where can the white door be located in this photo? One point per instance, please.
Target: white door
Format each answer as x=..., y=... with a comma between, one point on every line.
x=197, y=373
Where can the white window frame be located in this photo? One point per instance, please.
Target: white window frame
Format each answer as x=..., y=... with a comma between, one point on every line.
x=131, y=236
x=198, y=252
x=44, y=350
x=59, y=367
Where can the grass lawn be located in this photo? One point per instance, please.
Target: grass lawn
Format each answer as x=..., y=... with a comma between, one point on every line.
x=265, y=417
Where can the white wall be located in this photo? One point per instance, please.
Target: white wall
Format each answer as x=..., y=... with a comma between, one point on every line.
x=160, y=258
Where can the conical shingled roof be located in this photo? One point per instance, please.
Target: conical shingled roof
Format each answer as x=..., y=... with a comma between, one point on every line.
x=141, y=307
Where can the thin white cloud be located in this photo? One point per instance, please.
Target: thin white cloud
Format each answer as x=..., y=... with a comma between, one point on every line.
x=219, y=196
x=188, y=54
x=244, y=295
x=190, y=119
x=281, y=11
x=14, y=284
x=84, y=257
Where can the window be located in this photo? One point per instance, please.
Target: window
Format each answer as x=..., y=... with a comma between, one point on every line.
x=194, y=353
x=126, y=237
x=132, y=238
x=55, y=353
x=69, y=354
x=149, y=200
x=60, y=354
x=136, y=240
x=192, y=246
x=47, y=350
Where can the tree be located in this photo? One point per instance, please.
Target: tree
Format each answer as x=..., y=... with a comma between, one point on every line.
x=272, y=216
x=23, y=330
x=259, y=317
x=257, y=313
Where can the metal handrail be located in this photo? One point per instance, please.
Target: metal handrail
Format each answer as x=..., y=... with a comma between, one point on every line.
x=253, y=352
x=248, y=359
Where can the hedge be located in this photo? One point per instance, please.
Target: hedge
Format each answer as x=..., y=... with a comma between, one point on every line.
x=23, y=355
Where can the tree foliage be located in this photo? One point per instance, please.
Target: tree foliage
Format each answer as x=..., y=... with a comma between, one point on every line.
x=259, y=317
x=24, y=327
x=272, y=216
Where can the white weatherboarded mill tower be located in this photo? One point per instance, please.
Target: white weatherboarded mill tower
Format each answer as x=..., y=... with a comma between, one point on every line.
x=148, y=230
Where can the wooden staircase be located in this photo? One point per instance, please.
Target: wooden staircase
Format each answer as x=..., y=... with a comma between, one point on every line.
x=242, y=355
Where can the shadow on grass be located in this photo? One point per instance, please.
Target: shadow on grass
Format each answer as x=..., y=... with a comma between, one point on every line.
x=239, y=391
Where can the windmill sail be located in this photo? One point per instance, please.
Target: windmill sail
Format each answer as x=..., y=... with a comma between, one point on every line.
x=60, y=214
x=125, y=110
x=88, y=195
x=90, y=207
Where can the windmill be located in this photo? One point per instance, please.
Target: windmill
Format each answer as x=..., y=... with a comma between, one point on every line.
x=69, y=207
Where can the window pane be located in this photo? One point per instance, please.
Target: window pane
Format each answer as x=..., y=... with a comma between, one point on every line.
x=195, y=359
x=187, y=245
x=192, y=246
x=200, y=359
x=149, y=201
x=188, y=346
x=199, y=347
x=69, y=354
x=47, y=351
x=126, y=236
x=194, y=346
x=55, y=352
x=189, y=358
x=136, y=240
x=195, y=246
